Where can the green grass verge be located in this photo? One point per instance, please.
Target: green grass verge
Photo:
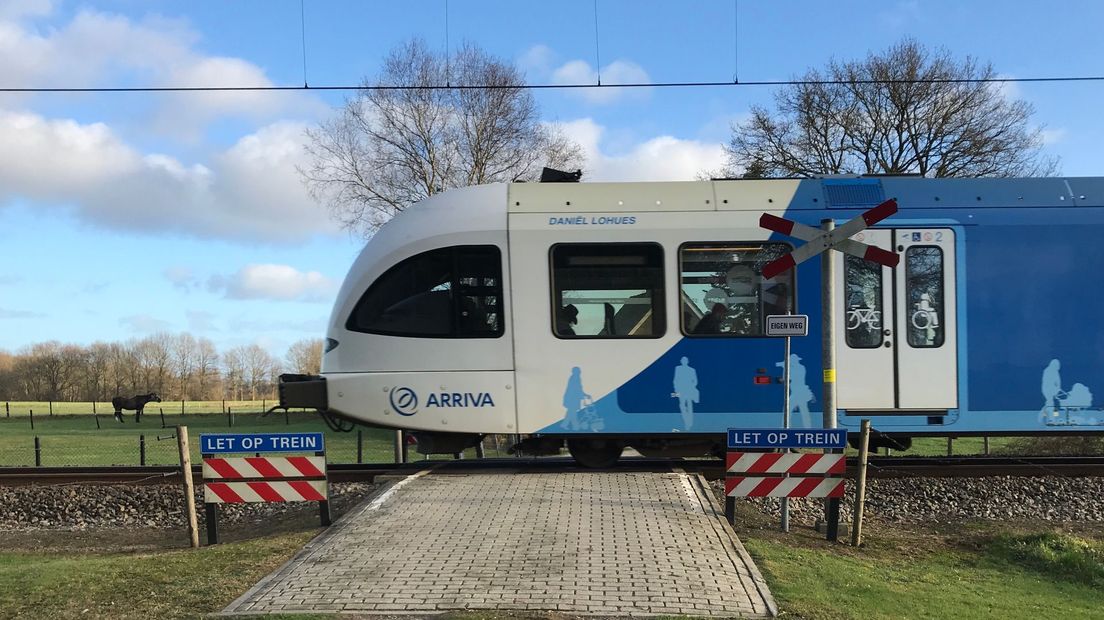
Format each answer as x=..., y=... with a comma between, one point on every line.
x=1063, y=556
x=924, y=574
x=180, y=583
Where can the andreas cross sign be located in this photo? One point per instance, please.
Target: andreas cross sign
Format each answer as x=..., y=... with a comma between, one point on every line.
x=820, y=240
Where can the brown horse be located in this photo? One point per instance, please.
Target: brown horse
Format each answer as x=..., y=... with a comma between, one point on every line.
x=136, y=403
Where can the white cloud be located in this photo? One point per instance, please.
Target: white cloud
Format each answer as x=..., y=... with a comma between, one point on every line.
x=19, y=9
x=200, y=321
x=103, y=49
x=181, y=277
x=617, y=72
x=662, y=158
x=537, y=60
x=1053, y=136
x=277, y=282
x=144, y=323
x=251, y=191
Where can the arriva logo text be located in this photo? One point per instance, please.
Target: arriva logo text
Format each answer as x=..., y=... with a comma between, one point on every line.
x=405, y=401
x=460, y=399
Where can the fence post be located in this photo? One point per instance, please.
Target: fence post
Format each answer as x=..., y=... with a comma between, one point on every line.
x=860, y=486
x=286, y=421
x=162, y=416
x=189, y=492
x=97, y=418
x=141, y=450
x=51, y=403
x=229, y=417
x=949, y=451
x=360, y=446
x=986, y=445
x=224, y=405
x=38, y=452
x=32, y=418
x=399, y=441
x=264, y=405
x=93, y=407
x=182, y=407
x=7, y=409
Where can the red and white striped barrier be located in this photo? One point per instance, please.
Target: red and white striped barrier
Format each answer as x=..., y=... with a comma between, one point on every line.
x=810, y=474
x=778, y=463
x=264, y=467
x=260, y=491
x=736, y=486
x=264, y=479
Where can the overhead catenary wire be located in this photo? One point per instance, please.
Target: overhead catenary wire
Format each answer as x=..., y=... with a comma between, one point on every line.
x=523, y=86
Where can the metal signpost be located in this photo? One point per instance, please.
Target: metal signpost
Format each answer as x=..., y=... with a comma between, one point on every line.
x=787, y=325
x=228, y=480
x=829, y=237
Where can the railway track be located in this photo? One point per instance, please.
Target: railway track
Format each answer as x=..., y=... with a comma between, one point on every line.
x=879, y=467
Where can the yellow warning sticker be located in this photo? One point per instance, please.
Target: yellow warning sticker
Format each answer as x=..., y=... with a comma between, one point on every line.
x=829, y=375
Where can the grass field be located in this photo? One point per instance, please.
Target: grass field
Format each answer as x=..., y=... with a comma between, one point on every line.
x=977, y=570
x=177, y=583
x=75, y=440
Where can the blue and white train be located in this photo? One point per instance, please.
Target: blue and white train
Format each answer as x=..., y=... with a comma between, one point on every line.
x=609, y=315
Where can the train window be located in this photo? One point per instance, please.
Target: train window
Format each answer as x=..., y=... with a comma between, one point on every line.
x=723, y=291
x=607, y=290
x=924, y=295
x=863, y=290
x=451, y=292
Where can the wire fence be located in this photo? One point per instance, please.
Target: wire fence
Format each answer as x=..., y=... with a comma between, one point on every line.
x=183, y=407
x=80, y=440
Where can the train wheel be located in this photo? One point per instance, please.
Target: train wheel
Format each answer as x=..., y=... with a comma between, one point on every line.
x=595, y=453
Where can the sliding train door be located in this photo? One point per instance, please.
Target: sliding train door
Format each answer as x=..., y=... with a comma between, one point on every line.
x=896, y=329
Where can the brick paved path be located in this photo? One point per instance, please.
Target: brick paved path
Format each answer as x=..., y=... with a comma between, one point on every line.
x=577, y=543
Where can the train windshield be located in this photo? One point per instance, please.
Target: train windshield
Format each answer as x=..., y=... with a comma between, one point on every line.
x=453, y=292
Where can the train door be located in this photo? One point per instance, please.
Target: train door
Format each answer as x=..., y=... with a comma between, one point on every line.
x=897, y=332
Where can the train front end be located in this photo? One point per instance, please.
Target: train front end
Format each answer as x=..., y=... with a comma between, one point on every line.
x=417, y=339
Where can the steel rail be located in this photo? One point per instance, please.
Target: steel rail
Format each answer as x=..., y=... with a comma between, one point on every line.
x=880, y=467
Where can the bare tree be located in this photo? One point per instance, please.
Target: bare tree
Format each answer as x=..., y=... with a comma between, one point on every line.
x=305, y=356
x=389, y=148
x=183, y=361
x=155, y=358
x=45, y=359
x=257, y=367
x=233, y=362
x=122, y=363
x=905, y=111
x=97, y=371
x=206, y=368
x=9, y=382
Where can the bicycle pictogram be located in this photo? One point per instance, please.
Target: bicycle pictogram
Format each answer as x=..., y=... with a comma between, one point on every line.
x=870, y=317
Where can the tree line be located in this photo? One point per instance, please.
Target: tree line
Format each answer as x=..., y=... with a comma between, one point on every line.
x=176, y=366
x=906, y=110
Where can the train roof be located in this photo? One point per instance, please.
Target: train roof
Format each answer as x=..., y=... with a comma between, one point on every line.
x=788, y=194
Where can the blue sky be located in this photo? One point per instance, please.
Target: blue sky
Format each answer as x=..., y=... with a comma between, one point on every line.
x=123, y=214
